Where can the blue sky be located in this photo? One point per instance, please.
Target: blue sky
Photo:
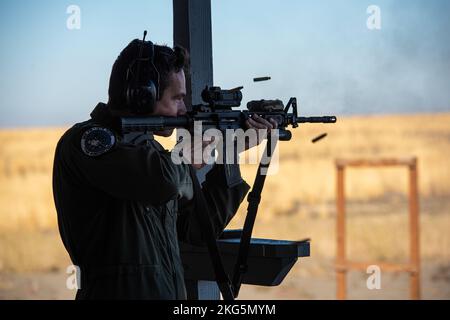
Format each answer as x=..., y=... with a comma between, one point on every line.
x=319, y=51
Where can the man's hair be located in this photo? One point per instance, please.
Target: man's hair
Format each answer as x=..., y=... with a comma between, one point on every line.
x=166, y=60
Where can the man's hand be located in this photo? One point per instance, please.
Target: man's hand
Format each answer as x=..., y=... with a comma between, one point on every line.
x=207, y=142
x=257, y=122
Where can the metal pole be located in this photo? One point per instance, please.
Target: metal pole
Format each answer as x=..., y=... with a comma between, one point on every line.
x=192, y=30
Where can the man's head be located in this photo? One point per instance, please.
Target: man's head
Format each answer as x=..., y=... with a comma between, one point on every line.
x=167, y=74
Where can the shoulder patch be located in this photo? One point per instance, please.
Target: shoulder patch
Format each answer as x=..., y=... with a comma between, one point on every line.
x=96, y=141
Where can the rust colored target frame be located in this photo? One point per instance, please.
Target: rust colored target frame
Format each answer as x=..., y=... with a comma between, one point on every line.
x=342, y=264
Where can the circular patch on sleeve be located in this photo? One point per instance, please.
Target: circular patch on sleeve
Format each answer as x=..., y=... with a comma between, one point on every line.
x=97, y=141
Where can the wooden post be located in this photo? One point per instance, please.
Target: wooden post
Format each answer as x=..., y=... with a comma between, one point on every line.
x=340, y=231
x=342, y=264
x=414, y=232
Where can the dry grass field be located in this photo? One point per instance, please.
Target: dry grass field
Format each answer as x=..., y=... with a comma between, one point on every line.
x=298, y=202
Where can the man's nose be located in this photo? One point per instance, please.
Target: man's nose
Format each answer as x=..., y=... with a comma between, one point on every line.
x=182, y=109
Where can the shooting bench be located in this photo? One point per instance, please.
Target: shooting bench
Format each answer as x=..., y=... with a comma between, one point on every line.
x=269, y=261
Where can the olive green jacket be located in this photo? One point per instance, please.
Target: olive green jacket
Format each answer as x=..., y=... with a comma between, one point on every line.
x=121, y=214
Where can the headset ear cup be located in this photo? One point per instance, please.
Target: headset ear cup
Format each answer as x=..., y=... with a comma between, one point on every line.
x=141, y=100
x=132, y=96
x=147, y=98
x=141, y=97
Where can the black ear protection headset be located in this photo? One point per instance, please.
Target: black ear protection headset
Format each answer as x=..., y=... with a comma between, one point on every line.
x=141, y=97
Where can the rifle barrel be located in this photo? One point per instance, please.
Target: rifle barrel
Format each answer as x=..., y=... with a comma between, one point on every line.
x=324, y=119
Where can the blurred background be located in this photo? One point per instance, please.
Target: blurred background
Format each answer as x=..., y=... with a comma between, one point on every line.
x=385, y=72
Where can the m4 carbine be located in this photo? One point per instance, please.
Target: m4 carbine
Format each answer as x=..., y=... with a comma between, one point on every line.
x=218, y=113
